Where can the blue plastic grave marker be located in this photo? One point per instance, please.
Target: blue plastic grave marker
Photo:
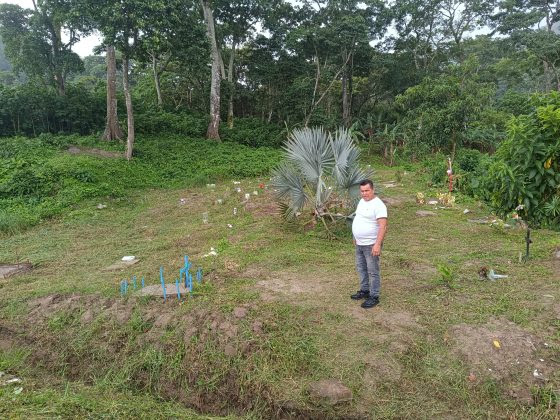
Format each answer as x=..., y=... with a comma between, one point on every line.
x=122, y=287
x=142, y=282
x=190, y=282
x=177, y=287
x=199, y=275
x=134, y=281
x=125, y=286
x=162, y=283
x=187, y=263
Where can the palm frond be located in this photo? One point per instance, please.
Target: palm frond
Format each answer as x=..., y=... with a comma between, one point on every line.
x=343, y=150
x=289, y=184
x=309, y=150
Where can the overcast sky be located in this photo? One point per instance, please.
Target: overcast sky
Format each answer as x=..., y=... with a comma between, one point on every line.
x=83, y=48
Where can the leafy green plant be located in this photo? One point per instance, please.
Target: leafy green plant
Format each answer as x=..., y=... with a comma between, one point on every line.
x=447, y=276
x=525, y=174
x=321, y=171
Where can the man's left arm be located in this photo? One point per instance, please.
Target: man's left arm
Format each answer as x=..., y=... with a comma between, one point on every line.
x=382, y=222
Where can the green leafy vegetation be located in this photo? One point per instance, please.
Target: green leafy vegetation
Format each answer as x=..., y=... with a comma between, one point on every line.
x=40, y=179
x=525, y=174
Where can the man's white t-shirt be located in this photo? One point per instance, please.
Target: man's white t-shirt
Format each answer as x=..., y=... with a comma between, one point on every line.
x=365, y=226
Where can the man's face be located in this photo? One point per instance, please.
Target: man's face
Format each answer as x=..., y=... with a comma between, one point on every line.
x=367, y=192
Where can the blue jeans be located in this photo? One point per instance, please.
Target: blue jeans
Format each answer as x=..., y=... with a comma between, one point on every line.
x=368, y=268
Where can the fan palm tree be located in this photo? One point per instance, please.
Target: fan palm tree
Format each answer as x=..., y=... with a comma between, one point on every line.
x=320, y=170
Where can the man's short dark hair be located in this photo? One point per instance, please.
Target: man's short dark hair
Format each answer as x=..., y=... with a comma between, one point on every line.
x=366, y=182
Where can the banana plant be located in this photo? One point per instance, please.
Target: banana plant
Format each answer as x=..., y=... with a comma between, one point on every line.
x=320, y=171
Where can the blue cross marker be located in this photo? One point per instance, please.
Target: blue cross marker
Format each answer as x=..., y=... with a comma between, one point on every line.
x=199, y=275
x=142, y=282
x=181, y=273
x=162, y=283
x=134, y=281
x=177, y=287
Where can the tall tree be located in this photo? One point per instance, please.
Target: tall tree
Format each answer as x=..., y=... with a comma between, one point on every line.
x=523, y=20
x=122, y=24
x=237, y=20
x=213, y=131
x=335, y=31
x=34, y=43
x=176, y=35
x=113, y=130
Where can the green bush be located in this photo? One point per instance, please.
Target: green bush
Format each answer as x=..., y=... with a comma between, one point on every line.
x=435, y=168
x=469, y=169
x=31, y=109
x=154, y=121
x=525, y=172
x=253, y=132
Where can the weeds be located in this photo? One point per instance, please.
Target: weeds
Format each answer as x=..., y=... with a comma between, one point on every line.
x=447, y=276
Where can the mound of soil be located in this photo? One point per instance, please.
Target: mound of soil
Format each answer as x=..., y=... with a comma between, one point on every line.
x=507, y=353
x=235, y=334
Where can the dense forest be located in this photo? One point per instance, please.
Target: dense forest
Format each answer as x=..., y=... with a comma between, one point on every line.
x=464, y=78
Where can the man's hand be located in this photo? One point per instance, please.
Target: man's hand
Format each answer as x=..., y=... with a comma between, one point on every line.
x=376, y=249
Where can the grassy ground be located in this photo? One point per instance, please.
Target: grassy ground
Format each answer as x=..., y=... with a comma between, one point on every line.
x=426, y=351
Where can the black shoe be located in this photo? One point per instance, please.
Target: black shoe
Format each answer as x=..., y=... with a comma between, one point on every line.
x=370, y=302
x=360, y=295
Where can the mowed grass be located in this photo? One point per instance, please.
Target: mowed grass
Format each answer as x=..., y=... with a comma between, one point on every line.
x=398, y=359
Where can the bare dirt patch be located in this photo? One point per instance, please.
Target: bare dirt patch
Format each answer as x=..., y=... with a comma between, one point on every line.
x=503, y=351
x=381, y=369
x=397, y=201
x=74, y=150
x=264, y=205
x=8, y=270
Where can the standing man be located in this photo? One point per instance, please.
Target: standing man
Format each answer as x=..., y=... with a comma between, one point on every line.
x=369, y=227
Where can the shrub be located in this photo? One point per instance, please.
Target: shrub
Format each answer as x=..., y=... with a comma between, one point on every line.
x=253, y=132
x=31, y=109
x=525, y=173
x=154, y=121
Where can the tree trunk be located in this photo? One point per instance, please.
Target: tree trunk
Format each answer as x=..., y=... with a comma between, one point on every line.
x=231, y=85
x=112, y=128
x=213, y=131
x=129, y=114
x=453, y=144
x=347, y=89
x=156, y=81
x=56, y=52
x=59, y=79
x=344, y=86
